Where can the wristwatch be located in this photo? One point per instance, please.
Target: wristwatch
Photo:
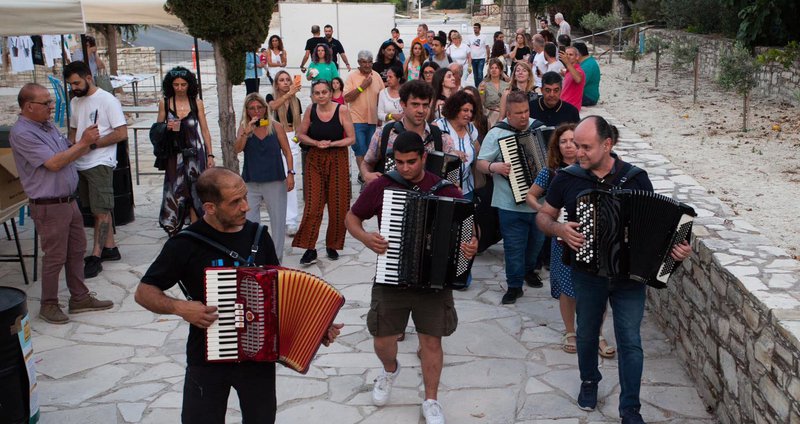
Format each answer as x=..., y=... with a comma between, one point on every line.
x=92, y=146
x=291, y=171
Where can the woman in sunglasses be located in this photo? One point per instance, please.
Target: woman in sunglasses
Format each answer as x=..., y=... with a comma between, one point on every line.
x=186, y=121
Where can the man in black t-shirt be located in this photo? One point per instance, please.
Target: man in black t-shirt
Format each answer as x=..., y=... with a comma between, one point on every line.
x=336, y=47
x=549, y=108
x=183, y=261
x=600, y=168
x=311, y=43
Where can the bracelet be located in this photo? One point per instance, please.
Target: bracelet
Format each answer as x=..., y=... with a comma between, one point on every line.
x=211, y=156
x=490, y=167
x=389, y=117
x=360, y=90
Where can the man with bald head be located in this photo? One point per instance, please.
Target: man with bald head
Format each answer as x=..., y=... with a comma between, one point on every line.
x=599, y=167
x=182, y=261
x=45, y=162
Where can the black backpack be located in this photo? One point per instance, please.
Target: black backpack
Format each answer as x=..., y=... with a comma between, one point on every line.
x=434, y=136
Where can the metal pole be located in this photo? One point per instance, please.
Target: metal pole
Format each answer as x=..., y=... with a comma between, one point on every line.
x=197, y=63
x=64, y=80
x=419, y=10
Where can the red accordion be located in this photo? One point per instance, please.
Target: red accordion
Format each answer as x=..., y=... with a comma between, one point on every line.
x=268, y=314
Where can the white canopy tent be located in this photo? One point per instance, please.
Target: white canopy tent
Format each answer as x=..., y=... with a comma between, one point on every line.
x=120, y=12
x=26, y=17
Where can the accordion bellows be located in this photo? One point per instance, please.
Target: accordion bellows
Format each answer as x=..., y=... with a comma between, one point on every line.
x=268, y=314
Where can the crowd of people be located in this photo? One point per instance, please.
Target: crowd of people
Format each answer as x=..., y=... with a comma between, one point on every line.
x=406, y=101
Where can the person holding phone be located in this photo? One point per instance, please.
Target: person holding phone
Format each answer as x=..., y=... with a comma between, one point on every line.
x=574, y=78
x=263, y=141
x=185, y=115
x=285, y=108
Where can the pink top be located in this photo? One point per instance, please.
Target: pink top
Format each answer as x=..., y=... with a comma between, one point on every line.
x=573, y=92
x=339, y=99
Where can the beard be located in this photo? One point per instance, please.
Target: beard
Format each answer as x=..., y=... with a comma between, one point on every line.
x=80, y=92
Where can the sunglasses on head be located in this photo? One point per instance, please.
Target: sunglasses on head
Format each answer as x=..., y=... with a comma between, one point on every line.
x=178, y=73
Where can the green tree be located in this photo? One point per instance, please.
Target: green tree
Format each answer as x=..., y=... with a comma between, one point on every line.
x=683, y=54
x=737, y=72
x=234, y=29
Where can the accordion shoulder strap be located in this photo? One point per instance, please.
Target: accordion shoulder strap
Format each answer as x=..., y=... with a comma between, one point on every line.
x=506, y=126
x=396, y=177
x=577, y=171
x=231, y=253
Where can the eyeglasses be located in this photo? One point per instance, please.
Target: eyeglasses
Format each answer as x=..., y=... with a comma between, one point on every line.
x=47, y=103
x=178, y=73
x=259, y=107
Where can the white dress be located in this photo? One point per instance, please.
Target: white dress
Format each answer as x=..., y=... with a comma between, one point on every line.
x=276, y=58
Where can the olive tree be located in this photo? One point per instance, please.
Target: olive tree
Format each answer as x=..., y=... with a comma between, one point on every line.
x=233, y=29
x=737, y=71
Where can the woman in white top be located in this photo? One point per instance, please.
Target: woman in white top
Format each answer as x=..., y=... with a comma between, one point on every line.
x=389, y=108
x=456, y=120
x=276, y=56
x=461, y=54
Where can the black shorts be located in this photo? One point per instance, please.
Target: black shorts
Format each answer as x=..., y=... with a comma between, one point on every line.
x=433, y=311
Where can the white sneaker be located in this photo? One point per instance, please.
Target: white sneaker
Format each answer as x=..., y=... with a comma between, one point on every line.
x=291, y=230
x=383, y=386
x=432, y=411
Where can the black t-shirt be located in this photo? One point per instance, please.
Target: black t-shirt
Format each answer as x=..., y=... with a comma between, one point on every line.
x=562, y=113
x=312, y=42
x=382, y=68
x=184, y=258
x=521, y=52
x=289, y=119
x=334, y=44
x=564, y=190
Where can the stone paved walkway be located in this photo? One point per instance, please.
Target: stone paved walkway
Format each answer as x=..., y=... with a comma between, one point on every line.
x=503, y=364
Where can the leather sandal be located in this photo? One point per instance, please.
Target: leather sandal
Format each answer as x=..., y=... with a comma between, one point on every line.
x=608, y=351
x=566, y=345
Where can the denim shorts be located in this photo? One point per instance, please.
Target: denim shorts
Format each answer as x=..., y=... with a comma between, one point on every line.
x=364, y=133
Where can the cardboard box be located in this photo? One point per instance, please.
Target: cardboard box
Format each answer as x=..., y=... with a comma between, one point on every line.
x=11, y=192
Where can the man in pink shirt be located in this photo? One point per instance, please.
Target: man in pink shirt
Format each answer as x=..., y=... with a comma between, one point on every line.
x=574, y=78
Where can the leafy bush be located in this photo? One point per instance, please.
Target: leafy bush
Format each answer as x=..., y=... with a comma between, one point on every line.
x=702, y=16
x=683, y=54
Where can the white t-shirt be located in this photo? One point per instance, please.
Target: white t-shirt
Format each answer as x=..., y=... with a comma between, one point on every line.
x=540, y=63
x=109, y=116
x=459, y=54
x=20, y=50
x=556, y=66
x=477, y=45
x=388, y=105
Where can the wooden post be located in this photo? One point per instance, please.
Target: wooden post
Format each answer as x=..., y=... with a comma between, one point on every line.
x=658, y=59
x=696, y=75
x=744, y=110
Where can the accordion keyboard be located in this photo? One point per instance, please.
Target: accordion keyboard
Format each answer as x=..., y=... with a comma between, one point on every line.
x=222, y=340
x=518, y=178
x=392, y=219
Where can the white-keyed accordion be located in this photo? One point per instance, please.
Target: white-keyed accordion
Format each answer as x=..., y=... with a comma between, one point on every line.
x=270, y=314
x=425, y=233
x=527, y=153
x=630, y=234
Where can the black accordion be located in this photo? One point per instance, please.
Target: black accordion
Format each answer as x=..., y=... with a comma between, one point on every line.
x=630, y=234
x=527, y=154
x=425, y=233
x=443, y=165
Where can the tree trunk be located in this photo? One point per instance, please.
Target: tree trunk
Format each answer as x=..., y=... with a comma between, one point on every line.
x=594, y=46
x=696, y=76
x=227, y=116
x=633, y=64
x=744, y=111
x=658, y=60
x=110, y=32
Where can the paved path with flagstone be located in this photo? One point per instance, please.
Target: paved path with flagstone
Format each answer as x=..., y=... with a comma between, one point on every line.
x=504, y=364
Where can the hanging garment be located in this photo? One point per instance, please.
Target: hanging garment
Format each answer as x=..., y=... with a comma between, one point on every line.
x=19, y=49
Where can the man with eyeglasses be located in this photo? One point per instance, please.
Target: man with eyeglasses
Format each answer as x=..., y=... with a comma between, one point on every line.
x=44, y=159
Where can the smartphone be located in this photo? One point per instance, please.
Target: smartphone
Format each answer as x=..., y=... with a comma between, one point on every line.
x=297, y=80
x=263, y=122
x=562, y=48
x=93, y=116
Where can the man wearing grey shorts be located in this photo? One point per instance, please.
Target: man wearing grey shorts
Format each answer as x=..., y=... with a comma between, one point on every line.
x=93, y=106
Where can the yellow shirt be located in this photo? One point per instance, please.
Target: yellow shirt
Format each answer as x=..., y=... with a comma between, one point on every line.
x=364, y=110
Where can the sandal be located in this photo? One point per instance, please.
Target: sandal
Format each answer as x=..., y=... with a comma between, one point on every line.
x=566, y=346
x=608, y=351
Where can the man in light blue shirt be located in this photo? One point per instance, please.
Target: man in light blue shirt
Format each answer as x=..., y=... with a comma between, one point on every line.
x=522, y=240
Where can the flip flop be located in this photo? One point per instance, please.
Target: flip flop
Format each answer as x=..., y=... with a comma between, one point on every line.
x=607, y=352
x=566, y=346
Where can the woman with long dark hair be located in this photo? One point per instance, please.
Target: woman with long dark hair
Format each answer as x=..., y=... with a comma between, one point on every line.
x=185, y=115
x=322, y=66
x=427, y=71
x=444, y=85
x=264, y=144
x=327, y=129
x=276, y=56
x=386, y=59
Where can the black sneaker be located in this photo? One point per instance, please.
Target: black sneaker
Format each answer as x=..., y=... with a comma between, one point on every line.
x=587, y=399
x=310, y=257
x=110, y=254
x=92, y=265
x=332, y=254
x=511, y=295
x=533, y=280
x=631, y=416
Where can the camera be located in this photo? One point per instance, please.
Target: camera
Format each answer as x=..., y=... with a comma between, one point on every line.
x=189, y=152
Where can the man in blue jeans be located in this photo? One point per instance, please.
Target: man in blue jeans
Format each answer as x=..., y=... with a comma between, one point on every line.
x=479, y=51
x=522, y=240
x=600, y=168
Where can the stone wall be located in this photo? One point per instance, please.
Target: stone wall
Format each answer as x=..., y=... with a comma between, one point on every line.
x=514, y=14
x=773, y=81
x=732, y=309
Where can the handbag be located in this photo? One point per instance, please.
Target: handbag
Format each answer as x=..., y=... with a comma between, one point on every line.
x=159, y=138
